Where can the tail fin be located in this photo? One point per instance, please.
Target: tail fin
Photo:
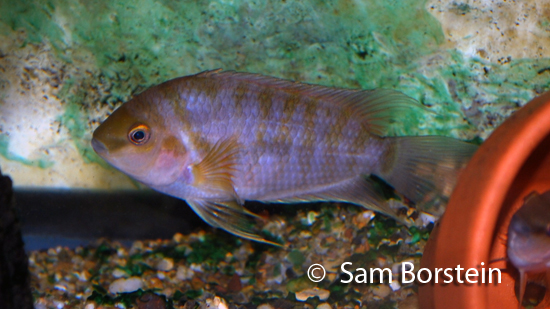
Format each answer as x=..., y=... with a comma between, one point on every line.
x=425, y=168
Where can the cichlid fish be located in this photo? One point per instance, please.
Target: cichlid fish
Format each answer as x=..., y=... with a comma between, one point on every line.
x=218, y=138
x=529, y=239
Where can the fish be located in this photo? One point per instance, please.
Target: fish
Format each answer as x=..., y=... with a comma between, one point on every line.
x=219, y=138
x=528, y=239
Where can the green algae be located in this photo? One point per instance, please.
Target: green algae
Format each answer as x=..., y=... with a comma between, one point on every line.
x=144, y=39
x=35, y=17
x=211, y=249
x=296, y=258
x=300, y=283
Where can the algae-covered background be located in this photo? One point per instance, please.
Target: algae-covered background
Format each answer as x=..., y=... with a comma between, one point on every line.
x=65, y=65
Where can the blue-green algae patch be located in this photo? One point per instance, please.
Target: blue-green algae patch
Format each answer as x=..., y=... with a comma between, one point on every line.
x=149, y=41
x=74, y=119
x=6, y=153
x=115, y=49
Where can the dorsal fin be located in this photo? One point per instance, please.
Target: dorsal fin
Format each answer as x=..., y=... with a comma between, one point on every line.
x=378, y=108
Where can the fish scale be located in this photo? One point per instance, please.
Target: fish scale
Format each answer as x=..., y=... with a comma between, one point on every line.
x=217, y=139
x=281, y=113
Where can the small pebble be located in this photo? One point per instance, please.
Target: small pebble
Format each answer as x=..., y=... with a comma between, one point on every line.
x=119, y=273
x=166, y=264
x=168, y=292
x=228, y=257
x=324, y=306
x=265, y=306
x=395, y=285
x=381, y=261
x=137, y=246
x=196, y=267
x=59, y=304
x=125, y=285
x=161, y=275
x=426, y=219
x=52, y=252
x=40, y=306
x=307, y=293
x=216, y=303
x=305, y=234
x=83, y=276
x=311, y=216
x=184, y=273
x=410, y=302
x=381, y=290
x=178, y=237
x=150, y=301
x=363, y=218
x=121, y=252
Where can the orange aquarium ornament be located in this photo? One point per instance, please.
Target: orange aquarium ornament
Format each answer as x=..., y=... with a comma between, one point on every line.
x=512, y=163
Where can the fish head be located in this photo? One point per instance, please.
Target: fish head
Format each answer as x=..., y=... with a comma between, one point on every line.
x=138, y=141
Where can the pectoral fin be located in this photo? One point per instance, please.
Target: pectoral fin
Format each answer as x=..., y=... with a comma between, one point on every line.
x=216, y=171
x=228, y=215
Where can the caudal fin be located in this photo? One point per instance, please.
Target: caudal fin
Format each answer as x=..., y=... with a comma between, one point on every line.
x=425, y=168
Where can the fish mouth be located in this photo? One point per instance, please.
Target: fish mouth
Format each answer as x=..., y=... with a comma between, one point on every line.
x=99, y=147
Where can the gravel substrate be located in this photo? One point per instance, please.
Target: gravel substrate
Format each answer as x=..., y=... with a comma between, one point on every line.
x=213, y=269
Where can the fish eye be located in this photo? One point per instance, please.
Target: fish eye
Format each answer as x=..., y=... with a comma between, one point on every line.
x=139, y=134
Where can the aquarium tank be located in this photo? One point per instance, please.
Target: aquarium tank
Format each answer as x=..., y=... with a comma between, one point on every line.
x=89, y=236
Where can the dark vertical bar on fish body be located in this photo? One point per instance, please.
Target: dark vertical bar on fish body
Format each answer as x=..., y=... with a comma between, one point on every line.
x=15, y=290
